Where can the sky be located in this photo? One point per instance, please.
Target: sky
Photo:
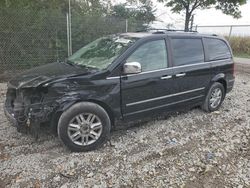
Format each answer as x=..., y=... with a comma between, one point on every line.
x=203, y=17
x=206, y=17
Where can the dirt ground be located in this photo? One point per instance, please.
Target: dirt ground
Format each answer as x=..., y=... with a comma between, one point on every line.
x=191, y=149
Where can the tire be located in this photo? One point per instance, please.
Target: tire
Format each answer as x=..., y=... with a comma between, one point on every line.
x=82, y=120
x=207, y=106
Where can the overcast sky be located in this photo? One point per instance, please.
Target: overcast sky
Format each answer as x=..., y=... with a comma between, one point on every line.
x=202, y=17
x=206, y=17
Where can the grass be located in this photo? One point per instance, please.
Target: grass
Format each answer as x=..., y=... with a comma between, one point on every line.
x=242, y=55
x=240, y=46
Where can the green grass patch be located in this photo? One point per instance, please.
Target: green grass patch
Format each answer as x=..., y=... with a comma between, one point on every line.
x=242, y=55
x=240, y=46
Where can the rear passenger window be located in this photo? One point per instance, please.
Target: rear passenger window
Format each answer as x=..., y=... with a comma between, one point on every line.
x=187, y=51
x=216, y=49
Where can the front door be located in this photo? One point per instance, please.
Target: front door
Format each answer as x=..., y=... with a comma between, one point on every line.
x=152, y=88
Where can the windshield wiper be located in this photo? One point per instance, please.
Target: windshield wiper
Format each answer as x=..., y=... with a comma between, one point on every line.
x=69, y=62
x=77, y=65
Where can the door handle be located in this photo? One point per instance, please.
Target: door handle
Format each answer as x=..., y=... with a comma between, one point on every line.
x=180, y=74
x=166, y=77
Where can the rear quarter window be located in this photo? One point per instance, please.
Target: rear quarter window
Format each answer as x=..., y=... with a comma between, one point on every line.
x=216, y=49
x=187, y=51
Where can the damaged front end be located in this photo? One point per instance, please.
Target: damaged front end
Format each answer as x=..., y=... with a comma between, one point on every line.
x=37, y=96
x=27, y=109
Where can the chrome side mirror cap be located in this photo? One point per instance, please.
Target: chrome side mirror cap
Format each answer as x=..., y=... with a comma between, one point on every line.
x=131, y=68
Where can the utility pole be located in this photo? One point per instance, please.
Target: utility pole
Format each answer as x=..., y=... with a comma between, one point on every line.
x=230, y=32
x=69, y=34
x=126, y=25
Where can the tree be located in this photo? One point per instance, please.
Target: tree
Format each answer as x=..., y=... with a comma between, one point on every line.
x=229, y=7
x=34, y=32
x=139, y=15
x=125, y=11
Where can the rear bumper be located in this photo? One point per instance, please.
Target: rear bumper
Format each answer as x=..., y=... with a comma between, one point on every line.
x=10, y=116
x=230, y=84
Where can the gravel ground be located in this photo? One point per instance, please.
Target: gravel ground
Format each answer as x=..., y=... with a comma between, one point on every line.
x=191, y=149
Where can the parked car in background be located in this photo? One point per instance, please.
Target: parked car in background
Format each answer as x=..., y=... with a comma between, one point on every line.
x=121, y=77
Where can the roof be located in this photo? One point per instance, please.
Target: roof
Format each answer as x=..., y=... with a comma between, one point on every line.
x=137, y=34
x=154, y=32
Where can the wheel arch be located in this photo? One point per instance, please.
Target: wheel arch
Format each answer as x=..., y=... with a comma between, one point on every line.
x=221, y=79
x=63, y=107
x=106, y=107
x=224, y=83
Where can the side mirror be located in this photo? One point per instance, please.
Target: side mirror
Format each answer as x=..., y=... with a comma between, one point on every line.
x=131, y=68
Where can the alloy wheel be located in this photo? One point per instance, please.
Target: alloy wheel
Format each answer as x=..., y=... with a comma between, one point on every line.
x=85, y=129
x=215, y=98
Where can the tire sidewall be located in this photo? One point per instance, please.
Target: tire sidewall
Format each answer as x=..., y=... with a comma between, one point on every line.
x=76, y=109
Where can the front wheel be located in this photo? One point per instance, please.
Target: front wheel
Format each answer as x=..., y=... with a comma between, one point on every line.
x=84, y=126
x=214, y=98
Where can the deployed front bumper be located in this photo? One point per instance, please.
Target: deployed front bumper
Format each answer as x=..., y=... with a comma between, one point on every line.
x=20, y=112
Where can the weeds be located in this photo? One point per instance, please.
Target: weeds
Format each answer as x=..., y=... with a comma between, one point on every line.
x=240, y=46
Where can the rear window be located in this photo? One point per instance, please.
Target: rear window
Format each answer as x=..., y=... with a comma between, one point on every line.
x=187, y=51
x=216, y=49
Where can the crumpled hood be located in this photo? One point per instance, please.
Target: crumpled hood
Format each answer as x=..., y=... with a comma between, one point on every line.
x=43, y=74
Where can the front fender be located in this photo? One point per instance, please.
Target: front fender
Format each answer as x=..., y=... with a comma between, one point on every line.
x=67, y=101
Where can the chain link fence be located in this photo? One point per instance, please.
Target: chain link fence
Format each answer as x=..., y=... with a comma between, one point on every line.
x=237, y=35
x=225, y=30
x=28, y=40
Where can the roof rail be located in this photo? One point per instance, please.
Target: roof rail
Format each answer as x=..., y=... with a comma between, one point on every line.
x=162, y=31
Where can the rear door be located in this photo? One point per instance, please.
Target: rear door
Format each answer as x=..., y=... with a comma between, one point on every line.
x=149, y=90
x=220, y=56
x=191, y=72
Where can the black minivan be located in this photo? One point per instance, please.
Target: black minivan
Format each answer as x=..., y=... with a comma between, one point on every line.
x=118, y=78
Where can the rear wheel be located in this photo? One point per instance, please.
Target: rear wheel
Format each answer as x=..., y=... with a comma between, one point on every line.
x=214, y=98
x=83, y=127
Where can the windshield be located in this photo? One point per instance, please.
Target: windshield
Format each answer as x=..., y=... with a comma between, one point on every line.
x=102, y=52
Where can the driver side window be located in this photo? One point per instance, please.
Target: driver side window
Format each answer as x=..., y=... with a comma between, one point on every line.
x=151, y=55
